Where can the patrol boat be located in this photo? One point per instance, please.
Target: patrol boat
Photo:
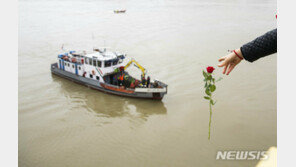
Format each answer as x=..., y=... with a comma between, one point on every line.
x=104, y=70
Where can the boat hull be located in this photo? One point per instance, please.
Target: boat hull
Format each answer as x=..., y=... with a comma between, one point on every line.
x=94, y=84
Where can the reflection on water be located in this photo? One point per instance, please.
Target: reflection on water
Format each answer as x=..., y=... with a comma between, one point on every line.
x=106, y=105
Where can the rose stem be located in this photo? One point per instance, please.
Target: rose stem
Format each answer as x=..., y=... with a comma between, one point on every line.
x=210, y=118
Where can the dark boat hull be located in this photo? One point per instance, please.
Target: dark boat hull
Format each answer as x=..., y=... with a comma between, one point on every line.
x=94, y=84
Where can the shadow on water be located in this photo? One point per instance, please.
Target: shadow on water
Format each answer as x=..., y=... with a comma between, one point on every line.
x=107, y=105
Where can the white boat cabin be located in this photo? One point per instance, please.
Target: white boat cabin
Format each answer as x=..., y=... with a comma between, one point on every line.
x=93, y=65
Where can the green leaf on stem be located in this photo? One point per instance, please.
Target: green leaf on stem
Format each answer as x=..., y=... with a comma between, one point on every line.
x=205, y=74
x=209, y=77
x=208, y=92
x=212, y=88
x=206, y=97
x=206, y=84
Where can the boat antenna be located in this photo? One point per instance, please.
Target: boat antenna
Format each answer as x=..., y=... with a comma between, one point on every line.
x=105, y=45
x=63, y=47
x=93, y=38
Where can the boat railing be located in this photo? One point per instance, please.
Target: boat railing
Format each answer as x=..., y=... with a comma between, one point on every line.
x=161, y=84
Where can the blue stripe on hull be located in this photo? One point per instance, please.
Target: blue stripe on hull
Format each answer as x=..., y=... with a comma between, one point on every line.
x=63, y=65
x=76, y=69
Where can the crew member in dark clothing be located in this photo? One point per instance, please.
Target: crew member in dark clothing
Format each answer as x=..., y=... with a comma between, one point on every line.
x=115, y=80
x=143, y=80
x=252, y=51
x=148, y=81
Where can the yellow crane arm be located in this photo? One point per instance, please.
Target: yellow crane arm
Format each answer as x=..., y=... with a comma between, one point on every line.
x=138, y=65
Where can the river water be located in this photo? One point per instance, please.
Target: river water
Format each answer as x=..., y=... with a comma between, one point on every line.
x=65, y=124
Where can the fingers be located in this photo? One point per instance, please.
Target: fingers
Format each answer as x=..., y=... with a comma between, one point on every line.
x=222, y=58
x=225, y=68
x=223, y=63
x=228, y=62
x=231, y=67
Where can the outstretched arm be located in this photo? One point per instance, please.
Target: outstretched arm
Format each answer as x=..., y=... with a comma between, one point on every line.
x=260, y=47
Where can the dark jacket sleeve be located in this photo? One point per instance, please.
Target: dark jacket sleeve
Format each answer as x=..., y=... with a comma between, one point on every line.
x=261, y=46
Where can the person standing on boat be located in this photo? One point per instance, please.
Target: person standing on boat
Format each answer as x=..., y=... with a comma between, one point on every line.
x=260, y=47
x=115, y=80
x=148, y=82
x=143, y=80
x=126, y=81
x=120, y=79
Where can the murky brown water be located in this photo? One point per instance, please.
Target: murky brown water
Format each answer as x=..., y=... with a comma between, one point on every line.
x=65, y=124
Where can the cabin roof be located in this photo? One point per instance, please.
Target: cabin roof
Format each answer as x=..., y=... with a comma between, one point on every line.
x=108, y=55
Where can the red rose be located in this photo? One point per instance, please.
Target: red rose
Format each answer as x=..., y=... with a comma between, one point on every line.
x=210, y=69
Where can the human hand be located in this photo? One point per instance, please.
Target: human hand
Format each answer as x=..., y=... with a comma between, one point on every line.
x=230, y=61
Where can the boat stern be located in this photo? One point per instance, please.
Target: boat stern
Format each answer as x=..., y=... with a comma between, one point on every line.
x=157, y=93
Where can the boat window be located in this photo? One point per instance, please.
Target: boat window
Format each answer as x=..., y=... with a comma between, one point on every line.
x=99, y=64
x=90, y=61
x=120, y=61
x=107, y=63
x=68, y=64
x=73, y=66
x=90, y=75
x=79, y=68
x=95, y=62
x=121, y=57
x=115, y=61
x=98, y=78
x=86, y=60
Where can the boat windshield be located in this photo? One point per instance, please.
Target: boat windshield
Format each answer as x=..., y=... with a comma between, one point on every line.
x=108, y=63
x=115, y=62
